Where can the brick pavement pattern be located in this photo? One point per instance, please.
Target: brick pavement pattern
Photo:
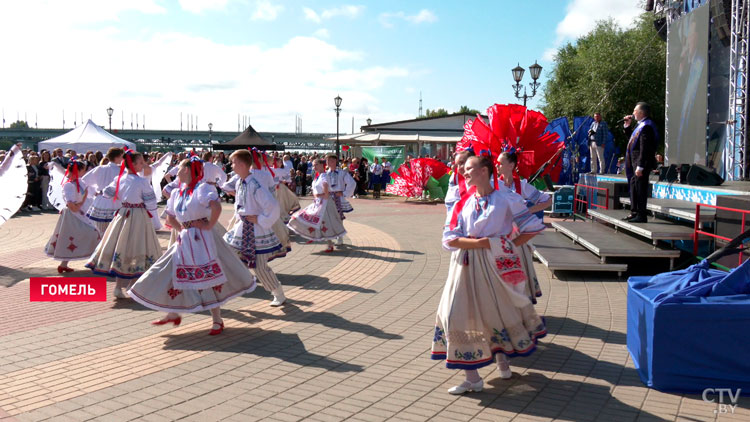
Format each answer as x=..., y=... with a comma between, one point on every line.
x=352, y=343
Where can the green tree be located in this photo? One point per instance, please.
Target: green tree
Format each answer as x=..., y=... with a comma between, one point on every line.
x=466, y=110
x=587, y=72
x=19, y=124
x=436, y=113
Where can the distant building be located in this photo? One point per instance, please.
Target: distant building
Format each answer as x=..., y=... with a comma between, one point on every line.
x=427, y=136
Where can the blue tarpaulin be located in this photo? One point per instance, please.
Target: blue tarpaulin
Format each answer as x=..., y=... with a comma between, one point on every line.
x=687, y=329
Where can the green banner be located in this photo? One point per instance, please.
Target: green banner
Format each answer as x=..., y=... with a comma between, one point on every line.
x=394, y=154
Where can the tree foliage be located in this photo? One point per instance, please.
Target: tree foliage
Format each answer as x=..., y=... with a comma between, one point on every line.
x=587, y=72
x=441, y=112
x=19, y=124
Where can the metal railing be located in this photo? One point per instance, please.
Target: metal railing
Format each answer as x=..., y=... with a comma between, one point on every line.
x=697, y=231
x=589, y=194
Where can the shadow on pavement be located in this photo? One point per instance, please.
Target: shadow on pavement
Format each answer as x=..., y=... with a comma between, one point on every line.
x=327, y=319
x=313, y=282
x=568, y=400
x=254, y=341
x=557, y=358
x=10, y=276
x=570, y=327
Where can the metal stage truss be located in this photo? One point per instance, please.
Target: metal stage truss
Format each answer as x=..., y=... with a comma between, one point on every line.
x=735, y=160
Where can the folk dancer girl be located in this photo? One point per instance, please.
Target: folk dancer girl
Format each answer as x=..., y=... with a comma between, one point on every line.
x=252, y=236
x=457, y=184
x=288, y=201
x=342, y=186
x=200, y=271
x=480, y=316
x=129, y=246
x=75, y=236
x=319, y=220
x=102, y=210
x=536, y=201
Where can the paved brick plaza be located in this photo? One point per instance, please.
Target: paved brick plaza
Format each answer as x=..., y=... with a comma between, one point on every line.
x=353, y=343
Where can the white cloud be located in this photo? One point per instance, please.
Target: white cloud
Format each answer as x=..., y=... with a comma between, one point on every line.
x=322, y=33
x=581, y=17
x=348, y=11
x=266, y=11
x=424, y=16
x=311, y=15
x=91, y=69
x=199, y=6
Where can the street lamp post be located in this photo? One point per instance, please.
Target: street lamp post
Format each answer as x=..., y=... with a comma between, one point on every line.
x=110, y=110
x=536, y=71
x=369, y=122
x=337, y=101
x=210, y=131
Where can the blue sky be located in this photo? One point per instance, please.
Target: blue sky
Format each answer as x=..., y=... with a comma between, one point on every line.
x=271, y=60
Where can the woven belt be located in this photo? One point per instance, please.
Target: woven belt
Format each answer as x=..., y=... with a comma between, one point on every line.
x=192, y=223
x=129, y=205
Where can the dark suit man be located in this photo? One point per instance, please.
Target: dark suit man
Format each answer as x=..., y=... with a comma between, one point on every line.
x=640, y=159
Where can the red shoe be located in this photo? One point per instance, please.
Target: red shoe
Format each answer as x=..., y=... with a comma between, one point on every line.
x=329, y=249
x=175, y=321
x=217, y=332
x=309, y=242
x=61, y=269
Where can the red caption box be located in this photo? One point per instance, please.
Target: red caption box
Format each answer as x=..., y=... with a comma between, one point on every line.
x=65, y=289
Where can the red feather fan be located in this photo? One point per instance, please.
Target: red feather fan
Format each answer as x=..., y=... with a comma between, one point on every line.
x=411, y=179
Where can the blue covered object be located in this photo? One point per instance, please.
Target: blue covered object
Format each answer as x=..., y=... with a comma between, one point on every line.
x=687, y=329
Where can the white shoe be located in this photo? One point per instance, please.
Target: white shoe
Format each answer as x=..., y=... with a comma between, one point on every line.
x=118, y=293
x=278, y=299
x=340, y=241
x=467, y=386
x=504, y=368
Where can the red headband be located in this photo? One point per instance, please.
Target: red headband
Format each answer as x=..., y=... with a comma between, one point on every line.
x=71, y=172
x=127, y=161
x=196, y=171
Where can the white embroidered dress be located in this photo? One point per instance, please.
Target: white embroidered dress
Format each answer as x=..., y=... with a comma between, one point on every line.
x=129, y=246
x=319, y=220
x=75, y=236
x=102, y=209
x=480, y=313
x=199, y=271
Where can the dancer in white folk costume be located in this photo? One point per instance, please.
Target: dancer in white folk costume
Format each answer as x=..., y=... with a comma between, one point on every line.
x=252, y=236
x=288, y=201
x=129, y=246
x=481, y=316
x=268, y=178
x=342, y=186
x=532, y=198
x=200, y=271
x=457, y=184
x=14, y=179
x=75, y=236
x=319, y=221
x=102, y=210
x=154, y=173
x=166, y=193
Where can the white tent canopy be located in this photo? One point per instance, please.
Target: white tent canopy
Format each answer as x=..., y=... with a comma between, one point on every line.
x=86, y=137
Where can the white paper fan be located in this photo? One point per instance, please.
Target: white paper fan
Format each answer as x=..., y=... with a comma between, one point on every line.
x=55, y=191
x=14, y=179
x=158, y=170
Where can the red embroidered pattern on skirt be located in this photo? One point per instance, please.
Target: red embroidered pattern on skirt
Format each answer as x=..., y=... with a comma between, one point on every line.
x=198, y=273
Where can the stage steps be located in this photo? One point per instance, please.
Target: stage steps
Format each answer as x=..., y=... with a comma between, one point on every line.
x=558, y=252
x=606, y=243
x=655, y=229
x=677, y=208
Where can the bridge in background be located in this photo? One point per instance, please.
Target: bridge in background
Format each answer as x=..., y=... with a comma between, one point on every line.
x=175, y=140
